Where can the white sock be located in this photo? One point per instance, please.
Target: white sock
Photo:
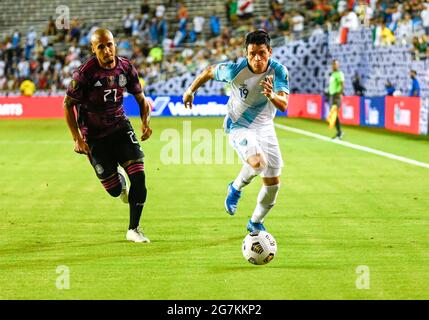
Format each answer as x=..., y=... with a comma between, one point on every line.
x=266, y=200
x=245, y=176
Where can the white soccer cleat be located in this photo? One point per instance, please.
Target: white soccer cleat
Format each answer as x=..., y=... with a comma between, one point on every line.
x=136, y=235
x=125, y=184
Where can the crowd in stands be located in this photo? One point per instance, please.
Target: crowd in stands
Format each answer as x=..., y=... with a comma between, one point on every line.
x=162, y=48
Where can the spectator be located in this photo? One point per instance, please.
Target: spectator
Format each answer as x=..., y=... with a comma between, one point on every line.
x=30, y=43
x=3, y=82
x=297, y=22
x=317, y=31
x=390, y=88
x=425, y=18
x=44, y=39
x=23, y=69
x=415, y=86
x=16, y=39
x=182, y=12
x=127, y=21
x=137, y=26
x=214, y=25
x=124, y=47
x=160, y=11
x=341, y=6
x=156, y=54
x=387, y=36
x=49, y=52
x=285, y=25
x=38, y=50
x=277, y=9
x=198, y=26
x=2, y=66
x=27, y=88
x=42, y=81
x=364, y=12
x=74, y=30
x=359, y=89
x=350, y=21
x=145, y=9
x=51, y=30
x=404, y=31
x=158, y=30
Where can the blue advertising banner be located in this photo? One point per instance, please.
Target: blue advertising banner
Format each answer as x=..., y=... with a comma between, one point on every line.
x=168, y=106
x=372, y=111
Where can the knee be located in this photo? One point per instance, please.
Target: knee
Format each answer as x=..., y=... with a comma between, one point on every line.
x=258, y=163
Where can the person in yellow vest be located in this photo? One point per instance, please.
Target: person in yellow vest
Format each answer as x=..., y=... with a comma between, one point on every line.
x=336, y=89
x=27, y=88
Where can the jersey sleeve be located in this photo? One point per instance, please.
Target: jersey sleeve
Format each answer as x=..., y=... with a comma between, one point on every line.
x=226, y=72
x=76, y=86
x=133, y=85
x=281, y=79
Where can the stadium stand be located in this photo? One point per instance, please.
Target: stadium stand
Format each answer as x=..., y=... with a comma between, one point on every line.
x=48, y=59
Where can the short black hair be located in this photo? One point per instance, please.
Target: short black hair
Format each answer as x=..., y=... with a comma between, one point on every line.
x=258, y=37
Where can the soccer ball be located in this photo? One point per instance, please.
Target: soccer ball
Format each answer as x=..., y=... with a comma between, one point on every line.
x=259, y=247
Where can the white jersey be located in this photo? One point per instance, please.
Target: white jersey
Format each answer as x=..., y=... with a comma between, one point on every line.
x=247, y=106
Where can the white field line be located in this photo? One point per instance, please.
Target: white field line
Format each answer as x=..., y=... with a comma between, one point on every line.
x=354, y=146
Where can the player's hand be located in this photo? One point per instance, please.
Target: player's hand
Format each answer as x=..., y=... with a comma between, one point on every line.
x=146, y=132
x=81, y=147
x=188, y=98
x=267, y=86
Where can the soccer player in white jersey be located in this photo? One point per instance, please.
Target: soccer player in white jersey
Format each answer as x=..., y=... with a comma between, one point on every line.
x=259, y=86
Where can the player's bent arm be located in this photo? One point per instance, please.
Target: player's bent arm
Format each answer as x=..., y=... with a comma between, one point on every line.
x=145, y=110
x=69, y=114
x=80, y=145
x=280, y=100
x=201, y=79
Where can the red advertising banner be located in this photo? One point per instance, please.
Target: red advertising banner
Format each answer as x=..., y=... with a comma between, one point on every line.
x=305, y=106
x=403, y=114
x=350, y=110
x=31, y=107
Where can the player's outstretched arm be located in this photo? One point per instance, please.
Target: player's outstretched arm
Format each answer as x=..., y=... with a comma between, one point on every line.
x=145, y=110
x=206, y=75
x=279, y=99
x=80, y=146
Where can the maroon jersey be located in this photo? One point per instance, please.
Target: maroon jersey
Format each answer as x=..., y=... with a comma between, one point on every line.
x=99, y=93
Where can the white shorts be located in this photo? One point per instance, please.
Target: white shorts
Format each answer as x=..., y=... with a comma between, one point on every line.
x=249, y=142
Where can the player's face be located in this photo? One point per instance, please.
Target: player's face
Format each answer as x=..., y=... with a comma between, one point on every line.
x=258, y=56
x=104, y=48
x=335, y=65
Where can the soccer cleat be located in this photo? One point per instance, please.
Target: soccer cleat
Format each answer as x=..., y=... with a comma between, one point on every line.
x=338, y=136
x=137, y=235
x=125, y=185
x=254, y=226
x=231, y=200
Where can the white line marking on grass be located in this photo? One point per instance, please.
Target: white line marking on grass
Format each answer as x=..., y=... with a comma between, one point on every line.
x=354, y=146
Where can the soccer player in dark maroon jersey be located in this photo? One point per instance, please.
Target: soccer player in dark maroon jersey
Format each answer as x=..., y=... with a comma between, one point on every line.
x=95, y=116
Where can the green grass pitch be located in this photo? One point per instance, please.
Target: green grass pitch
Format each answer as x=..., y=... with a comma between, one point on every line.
x=338, y=209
